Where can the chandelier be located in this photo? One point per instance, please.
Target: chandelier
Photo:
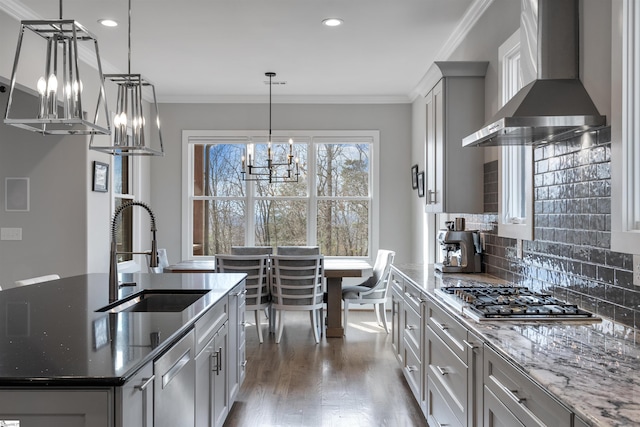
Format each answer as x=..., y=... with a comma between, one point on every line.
x=129, y=137
x=285, y=170
x=60, y=107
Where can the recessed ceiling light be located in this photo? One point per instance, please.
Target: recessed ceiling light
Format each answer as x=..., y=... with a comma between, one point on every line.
x=332, y=22
x=108, y=22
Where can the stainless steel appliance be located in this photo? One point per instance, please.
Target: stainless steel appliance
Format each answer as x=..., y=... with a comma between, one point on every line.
x=556, y=102
x=509, y=303
x=461, y=251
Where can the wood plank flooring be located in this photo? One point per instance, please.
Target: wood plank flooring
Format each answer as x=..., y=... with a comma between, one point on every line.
x=354, y=381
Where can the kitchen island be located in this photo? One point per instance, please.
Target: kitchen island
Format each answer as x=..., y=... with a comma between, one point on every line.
x=590, y=369
x=59, y=353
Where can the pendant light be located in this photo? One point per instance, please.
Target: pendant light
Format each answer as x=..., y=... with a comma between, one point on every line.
x=61, y=106
x=270, y=171
x=129, y=137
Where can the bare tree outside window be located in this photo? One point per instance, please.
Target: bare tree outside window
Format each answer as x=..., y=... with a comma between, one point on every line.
x=228, y=211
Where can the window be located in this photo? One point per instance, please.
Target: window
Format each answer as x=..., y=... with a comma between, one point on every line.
x=625, y=129
x=515, y=202
x=122, y=193
x=332, y=205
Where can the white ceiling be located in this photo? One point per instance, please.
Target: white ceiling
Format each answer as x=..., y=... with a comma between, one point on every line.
x=219, y=50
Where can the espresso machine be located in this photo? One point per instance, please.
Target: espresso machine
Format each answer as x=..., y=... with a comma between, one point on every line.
x=461, y=251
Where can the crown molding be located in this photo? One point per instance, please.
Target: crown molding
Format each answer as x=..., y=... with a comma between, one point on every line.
x=433, y=74
x=302, y=99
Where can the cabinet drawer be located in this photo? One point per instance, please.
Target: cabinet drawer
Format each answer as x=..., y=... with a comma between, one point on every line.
x=210, y=322
x=449, y=373
x=528, y=401
x=449, y=330
x=413, y=297
x=438, y=411
x=412, y=370
x=412, y=327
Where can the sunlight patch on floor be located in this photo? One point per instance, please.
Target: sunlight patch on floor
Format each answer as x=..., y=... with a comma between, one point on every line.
x=369, y=327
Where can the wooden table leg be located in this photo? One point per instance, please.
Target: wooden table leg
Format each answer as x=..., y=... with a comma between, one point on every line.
x=334, y=307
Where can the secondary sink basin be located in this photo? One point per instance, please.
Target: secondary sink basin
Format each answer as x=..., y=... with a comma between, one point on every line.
x=156, y=300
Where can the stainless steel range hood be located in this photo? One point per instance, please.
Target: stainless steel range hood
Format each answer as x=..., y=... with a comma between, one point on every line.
x=556, y=104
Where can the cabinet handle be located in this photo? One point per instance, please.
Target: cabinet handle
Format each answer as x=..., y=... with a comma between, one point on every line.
x=442, y=326
x=244, y=364
x=216, y=364
x=471, y=345
x=514, y=396
x=219, y=359
x=441, y=370
x=411, y=327
x=412, y=368
x=145, y=384
x=431, y=196
x=244, y=292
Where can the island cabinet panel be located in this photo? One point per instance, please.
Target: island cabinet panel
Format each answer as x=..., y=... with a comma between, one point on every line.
x=527, y=401
x=236, y=359
x=57, y=408
x=135, y=398
x=397, y=308
x=212, y=399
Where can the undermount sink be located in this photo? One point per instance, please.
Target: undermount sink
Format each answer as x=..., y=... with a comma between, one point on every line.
x=156, y=300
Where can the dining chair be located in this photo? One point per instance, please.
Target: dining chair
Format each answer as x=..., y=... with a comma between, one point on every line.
x=373, y=290
x=128, y=267
x=38, y=279
x=251, y=250
x=163, y=261
x=256, y=284
x=298, y=250
x=296, y=285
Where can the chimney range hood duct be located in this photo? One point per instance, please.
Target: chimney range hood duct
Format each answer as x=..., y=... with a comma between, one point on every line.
x=555, y=104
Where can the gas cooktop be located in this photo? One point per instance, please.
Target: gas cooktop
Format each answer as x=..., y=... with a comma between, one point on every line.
x=508, y=303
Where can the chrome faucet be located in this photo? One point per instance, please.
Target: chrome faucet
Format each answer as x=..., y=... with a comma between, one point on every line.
x=113, y=256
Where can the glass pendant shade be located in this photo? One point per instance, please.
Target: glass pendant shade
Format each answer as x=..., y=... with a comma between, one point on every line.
x=129, y=136
x=47, y=57
x=129, y=124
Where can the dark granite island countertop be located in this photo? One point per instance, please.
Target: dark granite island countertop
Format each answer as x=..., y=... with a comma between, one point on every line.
x=53, y=336
x=592, y=367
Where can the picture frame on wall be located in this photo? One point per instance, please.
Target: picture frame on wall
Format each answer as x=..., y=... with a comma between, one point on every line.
x=421, y=184
x=100, y=177
x=414, y=177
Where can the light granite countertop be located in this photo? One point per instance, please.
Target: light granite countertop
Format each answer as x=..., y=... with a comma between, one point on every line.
x=592, y=367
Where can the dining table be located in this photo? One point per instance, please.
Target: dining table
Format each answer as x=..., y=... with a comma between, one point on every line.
x=335, y=270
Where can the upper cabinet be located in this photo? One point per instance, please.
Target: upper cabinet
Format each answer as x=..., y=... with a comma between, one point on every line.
x=625, y=129
x=455, y=108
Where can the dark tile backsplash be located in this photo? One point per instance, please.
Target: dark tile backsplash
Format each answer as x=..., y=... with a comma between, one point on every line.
x=570, y=255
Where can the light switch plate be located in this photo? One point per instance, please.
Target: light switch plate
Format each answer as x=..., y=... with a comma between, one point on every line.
x=10, y=233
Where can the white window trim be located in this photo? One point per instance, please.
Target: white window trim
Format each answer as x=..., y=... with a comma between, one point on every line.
x=135, y=185
x=522, y=228
x=625, y=126
x=191, y=137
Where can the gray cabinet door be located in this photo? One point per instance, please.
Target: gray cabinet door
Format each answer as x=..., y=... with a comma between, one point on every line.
x=219, y=372
x=57, y=408
x=134, y=400
x=236, y=349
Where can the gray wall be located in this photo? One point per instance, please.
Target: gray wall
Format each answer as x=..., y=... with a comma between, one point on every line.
x=393, y=121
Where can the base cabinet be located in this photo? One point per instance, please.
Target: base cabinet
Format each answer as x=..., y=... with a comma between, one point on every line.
x=212, y=397
x=57, y=408
x=528, y=402
x=136, y=400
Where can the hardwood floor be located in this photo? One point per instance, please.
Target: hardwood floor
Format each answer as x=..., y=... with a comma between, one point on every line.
x=354, y=381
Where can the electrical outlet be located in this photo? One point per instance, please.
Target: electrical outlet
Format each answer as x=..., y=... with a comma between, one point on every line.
x=636, y=270
x=10, y=233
